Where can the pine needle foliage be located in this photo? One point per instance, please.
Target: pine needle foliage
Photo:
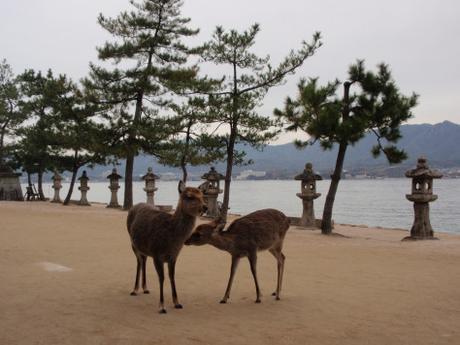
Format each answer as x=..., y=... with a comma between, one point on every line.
x=236, y=99
x=371, y=102
x=150, y=63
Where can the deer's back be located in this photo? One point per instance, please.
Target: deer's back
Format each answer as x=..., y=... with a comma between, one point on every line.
x=152, y=232
x=261, y=230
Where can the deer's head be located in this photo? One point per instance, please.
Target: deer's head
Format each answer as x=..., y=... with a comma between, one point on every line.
x=204, y=232
x=191, y=200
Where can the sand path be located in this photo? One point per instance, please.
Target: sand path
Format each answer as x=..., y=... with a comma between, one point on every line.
x=66, y=274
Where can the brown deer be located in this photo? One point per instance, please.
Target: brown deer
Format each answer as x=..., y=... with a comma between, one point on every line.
x=260, y=230
x=161, y=235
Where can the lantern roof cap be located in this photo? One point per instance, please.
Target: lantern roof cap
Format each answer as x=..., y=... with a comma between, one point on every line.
x=308, y=174
x=212, y=175
x=56, y=176
x=83, y=176
x=114, y=174
x=150, y=175
x=423, y=170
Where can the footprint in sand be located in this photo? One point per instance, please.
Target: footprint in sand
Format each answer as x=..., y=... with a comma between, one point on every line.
x=51, y=267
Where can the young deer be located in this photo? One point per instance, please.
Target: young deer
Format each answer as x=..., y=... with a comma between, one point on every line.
x=260, y=230
x=161, y=235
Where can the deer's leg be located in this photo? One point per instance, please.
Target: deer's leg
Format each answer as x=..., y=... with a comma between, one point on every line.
x=138, y=271
x=144, y=276
x=280, y=264
x=235, y=261
x=161, y=278
x=172, y=272
x=253, y=262
x=283, y=259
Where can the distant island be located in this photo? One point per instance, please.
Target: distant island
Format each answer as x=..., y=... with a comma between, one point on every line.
x=440, y=143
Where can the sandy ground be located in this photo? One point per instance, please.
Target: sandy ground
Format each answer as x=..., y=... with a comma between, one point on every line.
x=66, y=274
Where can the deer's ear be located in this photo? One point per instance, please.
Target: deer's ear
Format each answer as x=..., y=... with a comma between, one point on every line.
x=181, y=187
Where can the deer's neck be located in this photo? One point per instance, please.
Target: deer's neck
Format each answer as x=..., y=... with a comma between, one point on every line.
x=222, y=242
x=183, y=222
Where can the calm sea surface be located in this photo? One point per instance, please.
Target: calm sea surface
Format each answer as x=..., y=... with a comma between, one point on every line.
x=368, y=202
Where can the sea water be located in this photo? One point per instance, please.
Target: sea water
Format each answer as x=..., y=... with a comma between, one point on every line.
x=362, y=202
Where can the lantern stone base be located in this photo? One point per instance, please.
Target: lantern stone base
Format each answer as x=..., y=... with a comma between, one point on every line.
x=308, y=214
x=212, y=205
x=83, y=201
x=421, y=229
x=296, y=221
x=415, y=238
x=57, y=198
x=114, y=199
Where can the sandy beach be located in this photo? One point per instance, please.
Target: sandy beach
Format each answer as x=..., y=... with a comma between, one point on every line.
x=66, y=274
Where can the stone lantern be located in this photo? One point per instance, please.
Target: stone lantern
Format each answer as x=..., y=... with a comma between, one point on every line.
x=422, y=194
x=10, y=187
x=308, y=194
x=211, y=190
x=150, y=188
x=57, y=185
x=114, y=187
x=84, y=189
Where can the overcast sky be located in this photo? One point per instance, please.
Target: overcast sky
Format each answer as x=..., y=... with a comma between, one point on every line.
x=419, y=39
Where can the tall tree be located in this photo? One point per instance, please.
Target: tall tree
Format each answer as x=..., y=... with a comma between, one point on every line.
x=10, y=115
x=377, y=106
x=192, y=144
x=32, y=153
x=149, y=50
x=78, y=139
x=37, y=137
x=245, y=87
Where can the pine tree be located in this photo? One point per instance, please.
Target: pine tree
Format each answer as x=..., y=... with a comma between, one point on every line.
x=377, y=106
x=78, y=139
x=10, y=115
x=37, y=137
x=151, y=59
x=192, y=144
x=244, y=89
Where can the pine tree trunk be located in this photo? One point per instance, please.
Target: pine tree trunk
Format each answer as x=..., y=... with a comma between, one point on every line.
x=183, y=162
x=2, y=147
x=29, y=179
x=40, y=184
x=231, y=144
x=228, y=179
x=29, y=182
x=131, y=149
x=128, y=199
x=184, y=173
x=72, y=185
x=326, y=224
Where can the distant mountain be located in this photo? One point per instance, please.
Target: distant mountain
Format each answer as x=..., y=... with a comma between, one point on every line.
x=439, y=143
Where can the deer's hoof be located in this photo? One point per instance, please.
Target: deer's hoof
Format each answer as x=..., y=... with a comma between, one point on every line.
x=146, y=292
x=163, y=311
x=258, y=301
x=133, y=293
x=278, y=298
x=274, y=294
x=223, y=302
x=178, y=306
